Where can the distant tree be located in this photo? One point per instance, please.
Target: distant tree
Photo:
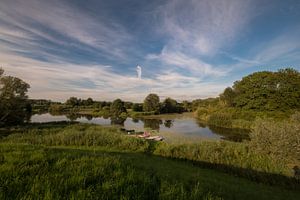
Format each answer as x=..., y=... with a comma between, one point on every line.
x=228, y=96
x=117, y=107
x=89, y=101
x=137, y=107
x=118, y=112
x=169, y=106
x=151, y=103
x=209, y=102
x=268, y=90
x=128, y=105
x=73, y=101
x=187, y=106
x=14, y=104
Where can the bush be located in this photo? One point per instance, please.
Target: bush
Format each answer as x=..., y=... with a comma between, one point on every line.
x=280, y=140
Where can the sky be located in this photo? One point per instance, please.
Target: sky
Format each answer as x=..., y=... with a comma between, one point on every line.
x=186, y=49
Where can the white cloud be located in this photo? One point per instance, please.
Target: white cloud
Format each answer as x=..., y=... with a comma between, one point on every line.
x=204, y=27
x=196, y=66
x=67, y=20
x=279, y=47
x=58, y=81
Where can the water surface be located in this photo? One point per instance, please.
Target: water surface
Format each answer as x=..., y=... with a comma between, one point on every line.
x=179, y=126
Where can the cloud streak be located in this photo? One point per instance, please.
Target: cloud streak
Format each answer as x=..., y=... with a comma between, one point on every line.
x=206, y=26
x=188, y=49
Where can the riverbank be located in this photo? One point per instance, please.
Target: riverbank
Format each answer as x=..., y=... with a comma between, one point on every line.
x=85, y=161
x=238, y=118
x=170, y=116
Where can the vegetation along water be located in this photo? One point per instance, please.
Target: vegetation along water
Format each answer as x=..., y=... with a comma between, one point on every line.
x=82, y=152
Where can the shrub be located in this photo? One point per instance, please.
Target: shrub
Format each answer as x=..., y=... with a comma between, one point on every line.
x=280, y=140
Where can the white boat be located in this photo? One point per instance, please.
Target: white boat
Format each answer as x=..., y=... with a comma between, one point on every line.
x=156, y=138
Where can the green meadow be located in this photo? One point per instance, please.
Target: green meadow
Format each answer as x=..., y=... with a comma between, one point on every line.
x=80, y=161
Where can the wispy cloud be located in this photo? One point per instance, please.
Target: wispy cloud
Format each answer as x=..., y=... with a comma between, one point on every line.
x=180, y=60
x=61, y=80
x=188, y=49
x=280, y=46
x=35, y=18
x=204, y=27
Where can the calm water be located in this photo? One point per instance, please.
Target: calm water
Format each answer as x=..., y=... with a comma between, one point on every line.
x=185, y=127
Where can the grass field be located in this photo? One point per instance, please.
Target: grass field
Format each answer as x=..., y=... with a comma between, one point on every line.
x=78, y=161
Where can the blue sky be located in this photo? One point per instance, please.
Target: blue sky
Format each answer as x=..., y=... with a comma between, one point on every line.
x=187, y=49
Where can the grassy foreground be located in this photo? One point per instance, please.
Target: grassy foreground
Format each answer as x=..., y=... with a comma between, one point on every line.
x=92, y=162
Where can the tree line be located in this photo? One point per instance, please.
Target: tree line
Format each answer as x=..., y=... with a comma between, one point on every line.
x=263, y=91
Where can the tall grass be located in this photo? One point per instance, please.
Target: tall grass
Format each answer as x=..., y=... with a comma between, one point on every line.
x=31, y=172
x=80, y=135
x=232, y=158
x=83, y=161
x=242, y=159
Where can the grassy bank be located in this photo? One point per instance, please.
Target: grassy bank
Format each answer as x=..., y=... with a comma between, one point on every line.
x=237, y=118
x=82, y=161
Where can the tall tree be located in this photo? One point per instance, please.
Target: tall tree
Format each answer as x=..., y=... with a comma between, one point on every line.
x=73, y=101
x=117, y=108
x=169, y=106
x=266, y=91
x=151, y=103
x=14, y=106
x=89, y=101
x=228, y=96
x=118, y=112
x=137, y=107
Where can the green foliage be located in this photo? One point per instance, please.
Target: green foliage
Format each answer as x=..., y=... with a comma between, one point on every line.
x=137, y=107
x=266, y=91
x=171, y=106
x=56, y=174
x=88, y=102
x=117, y=107
x=80, y=135
x=40, y=105
x=118, y=112
x=220, y=119
x=151, y=103
x=14, y=105
x=32, y=172
x=87, y=161
x=203, y=113
x=209, y=102
x=228, y=96
x=224, y=153
x=280, y=140
x=73, y=101
x=58, y=108
x=128, y=104
x=141, y=114
x=187, y=106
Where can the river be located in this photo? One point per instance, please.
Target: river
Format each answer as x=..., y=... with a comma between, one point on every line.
x=182, y=127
